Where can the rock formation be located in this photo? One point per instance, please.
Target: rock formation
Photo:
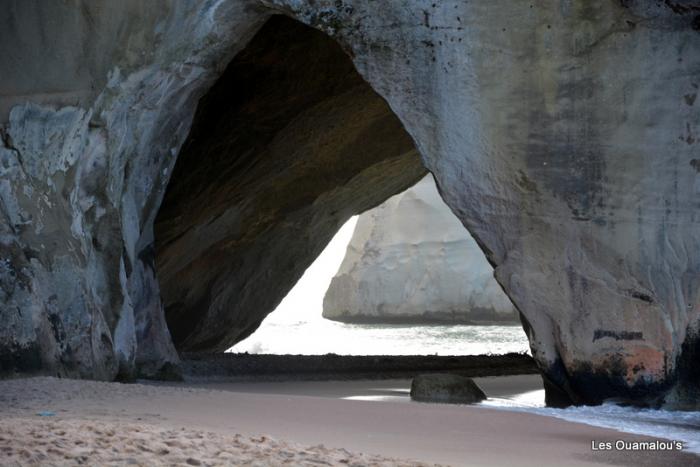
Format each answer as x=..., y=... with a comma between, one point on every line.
x=410, y=260
x=446, y=388
x=285, y=147
x=563, y=134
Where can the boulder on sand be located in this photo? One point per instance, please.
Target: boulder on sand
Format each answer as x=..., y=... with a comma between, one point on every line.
x=446, y=388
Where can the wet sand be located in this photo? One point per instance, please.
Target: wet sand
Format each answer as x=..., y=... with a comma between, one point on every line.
x=264, y=367
x=269, y=426
x=396, y=390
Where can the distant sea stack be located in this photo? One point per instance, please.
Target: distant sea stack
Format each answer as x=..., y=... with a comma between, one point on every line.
x=410, y=260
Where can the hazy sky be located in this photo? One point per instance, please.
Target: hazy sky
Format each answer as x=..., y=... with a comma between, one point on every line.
x=306, y=298
x=297, y=327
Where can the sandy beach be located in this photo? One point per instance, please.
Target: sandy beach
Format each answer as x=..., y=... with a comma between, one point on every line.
x=49, y=421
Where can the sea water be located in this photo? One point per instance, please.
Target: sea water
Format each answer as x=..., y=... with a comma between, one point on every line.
x=297, y=325
x=671, y=425
x=321, y=336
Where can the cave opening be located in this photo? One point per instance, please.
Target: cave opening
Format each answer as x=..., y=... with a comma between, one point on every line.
x=285, y=147
x=367, y=294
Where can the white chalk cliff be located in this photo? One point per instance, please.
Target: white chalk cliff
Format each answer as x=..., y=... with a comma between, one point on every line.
x=410, y=260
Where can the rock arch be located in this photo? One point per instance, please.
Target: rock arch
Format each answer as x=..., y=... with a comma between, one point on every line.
x=564, y=135
x=285, y=147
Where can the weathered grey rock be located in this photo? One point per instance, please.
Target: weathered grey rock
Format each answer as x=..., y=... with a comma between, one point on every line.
x=563, y=134
x=446, y=388
x=96, y=100
x=410, y=260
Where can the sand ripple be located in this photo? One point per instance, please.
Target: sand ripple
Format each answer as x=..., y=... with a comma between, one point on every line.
x=58, y=442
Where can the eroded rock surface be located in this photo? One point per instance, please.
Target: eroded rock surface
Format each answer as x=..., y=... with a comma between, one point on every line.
x=410, y=260
x=287, y=145
x=563, y=134
x=96, y=99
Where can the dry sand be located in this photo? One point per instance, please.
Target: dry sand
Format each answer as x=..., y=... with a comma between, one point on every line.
x=117, y=424
x=49, y=421
x=25, y=441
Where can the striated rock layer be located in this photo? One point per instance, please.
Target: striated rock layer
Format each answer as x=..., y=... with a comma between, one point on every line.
x=563, y=134
x=410, y=260
x=288, y=144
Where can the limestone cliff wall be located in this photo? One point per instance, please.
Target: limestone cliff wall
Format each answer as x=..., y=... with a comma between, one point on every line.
x=563, y=134
x=410, y=260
